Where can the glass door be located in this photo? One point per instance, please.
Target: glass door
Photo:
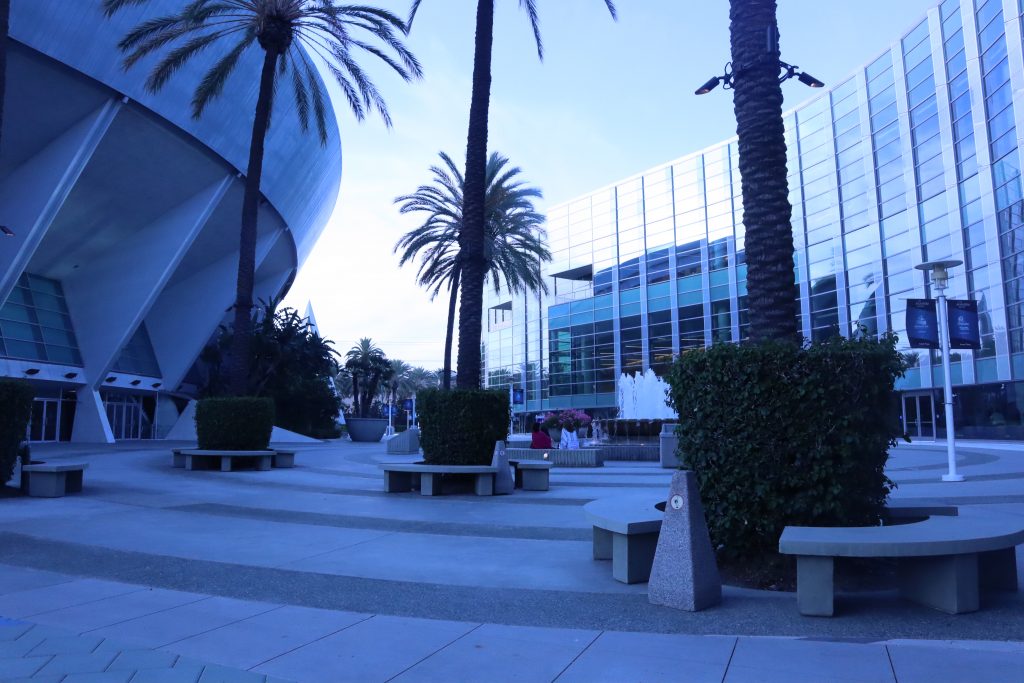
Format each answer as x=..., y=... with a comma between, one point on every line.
x=919, y=415
x=42, y=425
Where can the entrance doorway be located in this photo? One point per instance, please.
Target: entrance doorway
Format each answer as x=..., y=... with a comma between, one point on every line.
x=44, y=421
x=919, y=415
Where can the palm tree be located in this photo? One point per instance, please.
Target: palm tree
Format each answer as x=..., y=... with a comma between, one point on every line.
x=5, y=27
x=513, y=240
x=472, y=240
x=368, y=367
x=280, y=28
x=757, y=101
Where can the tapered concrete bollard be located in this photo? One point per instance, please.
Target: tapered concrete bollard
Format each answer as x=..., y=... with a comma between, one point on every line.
x=503, y=481
x=685, y=573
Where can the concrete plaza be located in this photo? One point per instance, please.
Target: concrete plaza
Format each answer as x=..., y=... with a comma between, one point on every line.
x=314, y=574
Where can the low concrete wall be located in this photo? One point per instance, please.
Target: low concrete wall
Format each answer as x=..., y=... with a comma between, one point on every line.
x=626, y=451
x=583, y=457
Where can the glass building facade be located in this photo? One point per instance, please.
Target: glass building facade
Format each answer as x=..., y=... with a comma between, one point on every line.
x=915, y=157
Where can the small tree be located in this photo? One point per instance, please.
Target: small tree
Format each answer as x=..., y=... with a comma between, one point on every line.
x=368, y=367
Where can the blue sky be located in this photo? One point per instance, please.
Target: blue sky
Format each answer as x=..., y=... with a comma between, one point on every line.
x=609, y=100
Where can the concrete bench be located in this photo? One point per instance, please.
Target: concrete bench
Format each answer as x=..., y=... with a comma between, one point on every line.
x=282, y=459
x=46, y=480
x=204, y=460
x=401, y=477
x=532, y=475
x=179, y=458
x=942, y=561
x=626, y=531
x=575, y=457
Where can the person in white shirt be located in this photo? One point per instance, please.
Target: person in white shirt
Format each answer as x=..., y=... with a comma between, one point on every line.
x=569, y=439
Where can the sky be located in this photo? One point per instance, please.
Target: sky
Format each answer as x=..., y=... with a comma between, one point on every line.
x=610, y=99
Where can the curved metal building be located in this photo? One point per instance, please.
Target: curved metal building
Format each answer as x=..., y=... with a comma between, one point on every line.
x=914, y=157
x=124, y=213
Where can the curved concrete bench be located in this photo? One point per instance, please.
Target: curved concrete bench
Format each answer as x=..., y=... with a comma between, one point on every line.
x=626, y=531
x=401, y=477
x=942, y=560
x=196, y=459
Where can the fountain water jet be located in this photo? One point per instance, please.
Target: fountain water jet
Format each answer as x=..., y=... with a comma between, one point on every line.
x=644, y=396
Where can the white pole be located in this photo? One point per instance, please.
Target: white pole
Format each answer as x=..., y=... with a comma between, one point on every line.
x=940, y=287
x=415, y=420
x=391, y=406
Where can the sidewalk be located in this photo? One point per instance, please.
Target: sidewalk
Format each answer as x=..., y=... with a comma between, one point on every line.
x=314, y=574
x=93, y=631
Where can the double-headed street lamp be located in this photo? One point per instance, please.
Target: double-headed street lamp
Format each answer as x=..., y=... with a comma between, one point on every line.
x=728, y=79
x=940, y=279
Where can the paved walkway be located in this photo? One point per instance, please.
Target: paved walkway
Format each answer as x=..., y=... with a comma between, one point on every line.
x=313, y=574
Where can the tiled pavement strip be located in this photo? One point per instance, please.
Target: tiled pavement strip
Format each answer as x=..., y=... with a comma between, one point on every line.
x=75, y=626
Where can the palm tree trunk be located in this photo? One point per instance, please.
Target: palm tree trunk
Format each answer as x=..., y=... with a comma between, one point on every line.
x=241, y=340
x=471, y=237
x=5, y=28
x=767, y=213
x=447, y=379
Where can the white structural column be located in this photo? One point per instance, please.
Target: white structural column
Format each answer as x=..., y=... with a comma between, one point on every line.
x=91, y=424
x=187, y=313
x=33, y=194
x=109, y=297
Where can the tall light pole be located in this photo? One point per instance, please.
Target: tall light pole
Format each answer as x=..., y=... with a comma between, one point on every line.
x=940, y=279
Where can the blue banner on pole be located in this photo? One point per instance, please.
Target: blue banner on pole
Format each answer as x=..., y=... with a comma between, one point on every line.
x=963, y=324
x=518, y=398
x=922, y=324
x=407, y=404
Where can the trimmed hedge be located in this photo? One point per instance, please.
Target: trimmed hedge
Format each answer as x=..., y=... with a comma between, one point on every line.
x=781, y=435
x=459, y=427
x=234, y=424
x=15, y=411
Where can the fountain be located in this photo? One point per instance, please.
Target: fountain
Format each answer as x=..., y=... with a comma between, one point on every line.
x=643, y=396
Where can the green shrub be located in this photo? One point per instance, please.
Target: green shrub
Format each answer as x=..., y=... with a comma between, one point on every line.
x=780, y=435
x=15, y=411
x=234, y=424
x=459, y=427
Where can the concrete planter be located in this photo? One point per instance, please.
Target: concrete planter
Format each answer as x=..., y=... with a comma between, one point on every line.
x=366, y=429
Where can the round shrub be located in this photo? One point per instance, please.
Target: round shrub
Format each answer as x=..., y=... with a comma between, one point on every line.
x=15, y=411
x=782, y=435
x=460, y=427
x=234, y=424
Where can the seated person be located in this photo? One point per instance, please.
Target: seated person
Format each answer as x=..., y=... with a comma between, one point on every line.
x=569, y=439
x=540, y=437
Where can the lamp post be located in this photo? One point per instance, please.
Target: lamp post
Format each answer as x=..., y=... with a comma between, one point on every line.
x=940, y=278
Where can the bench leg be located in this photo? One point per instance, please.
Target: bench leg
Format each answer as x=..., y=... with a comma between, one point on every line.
x=225, y=464
x=602, y=544
x=264, y=463
x=998, y=570
x=179, y=460
x=397, y=482
x=484, y=484
x=190, y=462
x=948, y=583
x=47, y=484
x=430, y=484
x=633, y=557
x=535, y=480
x=815, y=586
x=73, y=482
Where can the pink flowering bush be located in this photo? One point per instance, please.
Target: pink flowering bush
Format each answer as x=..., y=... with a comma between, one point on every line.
x=571, y=419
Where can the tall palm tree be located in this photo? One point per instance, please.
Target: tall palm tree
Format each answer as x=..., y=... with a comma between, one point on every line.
x=281, y=28
x=757, y=101
x=368, y=367
x=5, y=28
x=513, y=237
x=472, y=239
